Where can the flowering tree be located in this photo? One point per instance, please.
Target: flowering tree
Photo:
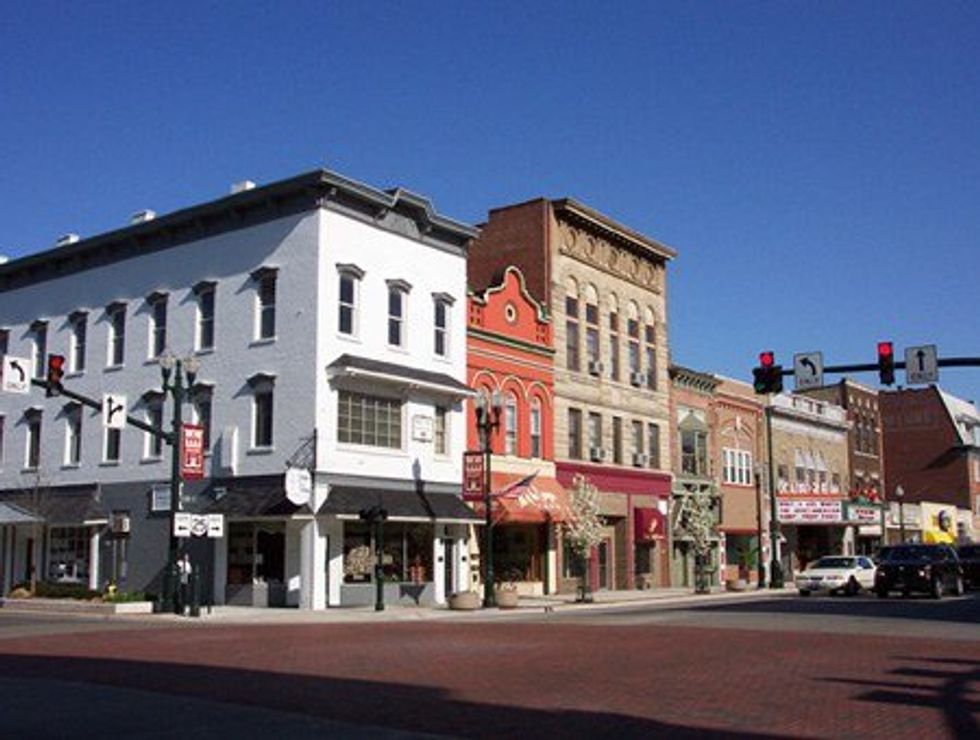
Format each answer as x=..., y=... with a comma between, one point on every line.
x=583, y=529
x=698, y=525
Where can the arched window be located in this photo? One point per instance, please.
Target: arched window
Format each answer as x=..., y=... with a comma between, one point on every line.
x=613, y=337
x=535, y=418
x=650, y=347
x=633, y=339
x=571, y=325
x=592, y=330
x=510, y=424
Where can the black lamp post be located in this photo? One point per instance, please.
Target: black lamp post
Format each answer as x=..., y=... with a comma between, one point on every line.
x=900, y=495
x=775, y=567
x=178, y=388
x=488, y=410
x=759, y=560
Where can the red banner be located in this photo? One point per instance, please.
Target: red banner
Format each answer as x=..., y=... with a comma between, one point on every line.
x=473, y=475
x=192, y=452
x=648, y=525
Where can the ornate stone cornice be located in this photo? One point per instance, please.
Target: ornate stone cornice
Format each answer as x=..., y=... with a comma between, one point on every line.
x=598, y=251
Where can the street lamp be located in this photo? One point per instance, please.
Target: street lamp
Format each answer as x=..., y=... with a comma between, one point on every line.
x=775, y=567
x=488, y=408
x=900, y=495
x=178, y=388
x=760, y=560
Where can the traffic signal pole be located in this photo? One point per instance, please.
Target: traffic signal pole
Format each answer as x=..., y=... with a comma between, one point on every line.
x=871, y=367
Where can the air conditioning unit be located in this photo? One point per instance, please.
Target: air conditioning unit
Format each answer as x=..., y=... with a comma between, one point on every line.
x=640, y=460
x=595, y=367
x=120, y=523
x=141, y=217
x=597, y=454
x=638, y=379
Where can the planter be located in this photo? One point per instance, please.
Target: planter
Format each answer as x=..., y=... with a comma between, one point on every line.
x=73, y=606
x=507, y=598
x=465, y=601
x=736, y=584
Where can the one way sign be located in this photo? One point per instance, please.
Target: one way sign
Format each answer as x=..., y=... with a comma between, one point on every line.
x=808, y=370
x=17, y=373
x=114, y=411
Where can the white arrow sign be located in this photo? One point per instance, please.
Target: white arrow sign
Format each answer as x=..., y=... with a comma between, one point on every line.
x=921, y=364
x=808, y=370
x=17, y=373
x=114, y=411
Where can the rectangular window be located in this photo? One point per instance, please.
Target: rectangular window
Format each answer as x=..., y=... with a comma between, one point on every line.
x=73, y=435
x=117, y=335
x=439, y=438
x=396, y=317
x=694, y=453
x=267, y=306
x=158, y=326
x=617, y=440
x=202, y=417
x=535, y=429
x=441, y=324
x=33, y=447
x=3, y=420
x=40, y=346
x=369, y=420
x=347, y=307
x=592, y=332
x=653, y=445
x=637, y=437
x=153, y=447
x=633, y=329
x=614, y=346
x=262, y=418
x=4, y=341
x=79, y=330
x=650, y=337
x=737, y=467
x=205, y=318
x=571, y=333
x=113, y=445
x=575, y=434
x=595, y=431
x=68, y=554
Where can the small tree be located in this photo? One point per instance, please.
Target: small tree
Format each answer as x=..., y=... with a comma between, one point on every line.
x=583, y=529
x=698, y=524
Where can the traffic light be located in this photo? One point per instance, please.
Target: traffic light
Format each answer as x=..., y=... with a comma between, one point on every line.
x=768, y=377
x=56, y=371
x=886, y=363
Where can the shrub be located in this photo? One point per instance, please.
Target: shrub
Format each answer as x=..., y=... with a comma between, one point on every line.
x=122, y=597
x=46, y=590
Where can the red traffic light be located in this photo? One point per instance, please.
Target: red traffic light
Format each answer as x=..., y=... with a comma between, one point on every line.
x=56, y=363
x=885, y=349
x=767, y=359
x=56, y=371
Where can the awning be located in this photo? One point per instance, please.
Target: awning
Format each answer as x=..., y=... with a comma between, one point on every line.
x=259, y=496
x=648, y=525
x=12, y=514
x=352, y=366
x=64, y=505
x=521, y=499
x=404, y=504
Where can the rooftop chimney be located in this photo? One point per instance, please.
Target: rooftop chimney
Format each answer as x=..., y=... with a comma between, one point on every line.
x=141, y=217
x=241, y=187
x=64, y=241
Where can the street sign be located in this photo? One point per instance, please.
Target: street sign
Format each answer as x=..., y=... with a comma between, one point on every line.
x=114, y=411
x=192, y=452
x=17, y=373
x=199, y=525
x=921, y=364
x=808, y=370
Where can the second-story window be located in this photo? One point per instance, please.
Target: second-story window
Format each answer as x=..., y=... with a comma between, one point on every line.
x=653, y=445
x=32, y=459
x=694, y=452
x=112, y=447
x=571, y=332
x=595, y=436
x=116, y=315
x=397, y=310
x=440, y=446
x=440, y=324
x=158, y=324
x=348, y=298
x=265, y=302
x=637, y=439
x=369, y=420
x=650, y=350
x=204, y=335
x=39, y=341
x=535, y=428
x=73, y=434
x=201, y=405
x=614, y=345
x=153, y=446
x=79, y=331
x=592, y=330
x=633, y=339
x=510, y=424
x=617, y=440
x=575, y=434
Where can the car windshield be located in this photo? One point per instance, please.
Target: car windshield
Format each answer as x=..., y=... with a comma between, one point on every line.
x=911, y=552
x=833, y=563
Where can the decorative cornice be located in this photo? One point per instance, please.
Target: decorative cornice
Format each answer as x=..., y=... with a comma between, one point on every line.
x=616, y=260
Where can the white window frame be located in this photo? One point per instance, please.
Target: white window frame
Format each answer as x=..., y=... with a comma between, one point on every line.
x=73, y=436
x=109, y=432
x=395, y=409
x=440, y=434
x=157, y=325
x=39, y=348
x=355, y=275
x=205, y=291
x=263, y=391
x=401, y=289
x=262, y=278
x=443, y=302
x=153, y=445
x=511, y=435
x=536, y=450
x=77, y=341
x=198, y=398
x=116, y=336
x=32, y=441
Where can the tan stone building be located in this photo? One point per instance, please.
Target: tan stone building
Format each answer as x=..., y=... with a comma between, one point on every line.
x=811, y=466
x=605, y=287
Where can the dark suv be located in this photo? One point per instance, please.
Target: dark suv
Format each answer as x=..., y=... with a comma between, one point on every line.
x=933, y=569
x=970, y=560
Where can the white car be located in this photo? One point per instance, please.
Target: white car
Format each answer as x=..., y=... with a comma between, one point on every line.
x=846, y=574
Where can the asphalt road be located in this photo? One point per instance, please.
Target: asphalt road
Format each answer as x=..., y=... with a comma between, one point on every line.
x=782, y=667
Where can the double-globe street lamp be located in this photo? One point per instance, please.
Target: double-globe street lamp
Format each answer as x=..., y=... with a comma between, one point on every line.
x=488, y=409
x=183, y=372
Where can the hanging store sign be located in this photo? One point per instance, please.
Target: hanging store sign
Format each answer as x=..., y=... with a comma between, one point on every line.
x=192, y=452
x=473, y=475
x=810, y=511
x=862, y=514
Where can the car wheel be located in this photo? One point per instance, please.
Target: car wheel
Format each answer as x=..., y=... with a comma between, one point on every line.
x=937, y=588
x=852, y=587
x=958, y=589
x=804, y=592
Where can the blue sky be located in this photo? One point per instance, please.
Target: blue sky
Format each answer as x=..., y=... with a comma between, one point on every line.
x=816, y=165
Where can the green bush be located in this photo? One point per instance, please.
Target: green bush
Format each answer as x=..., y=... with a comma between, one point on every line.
x=47, y=590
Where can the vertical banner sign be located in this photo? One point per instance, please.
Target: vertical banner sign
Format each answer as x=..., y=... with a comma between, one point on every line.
x=192, y=452
x=473, y=475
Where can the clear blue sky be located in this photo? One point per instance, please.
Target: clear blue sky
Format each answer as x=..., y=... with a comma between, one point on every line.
x=816, y=165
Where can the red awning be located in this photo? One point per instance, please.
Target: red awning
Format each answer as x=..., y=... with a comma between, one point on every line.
x=520, y=500
x=648, y=525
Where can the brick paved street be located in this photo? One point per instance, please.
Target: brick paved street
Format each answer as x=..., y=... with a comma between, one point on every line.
x=497, y=679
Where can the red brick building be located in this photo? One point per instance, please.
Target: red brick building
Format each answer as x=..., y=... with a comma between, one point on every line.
x=510, y=358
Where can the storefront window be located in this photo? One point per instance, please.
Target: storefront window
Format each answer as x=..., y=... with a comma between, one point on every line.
x=516, y=553
x=406, y=553
x=68, y=554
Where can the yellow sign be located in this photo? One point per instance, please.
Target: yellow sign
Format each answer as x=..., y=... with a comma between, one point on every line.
x=938, y=523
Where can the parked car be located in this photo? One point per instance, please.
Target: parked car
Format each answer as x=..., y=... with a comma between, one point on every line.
x=931, y=569
x=837, y=573
x=970, y=560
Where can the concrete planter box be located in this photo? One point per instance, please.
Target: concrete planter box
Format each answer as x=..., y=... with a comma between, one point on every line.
x=736, y=584
x=507, y=598
x=466, y=601
x=75, y=606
